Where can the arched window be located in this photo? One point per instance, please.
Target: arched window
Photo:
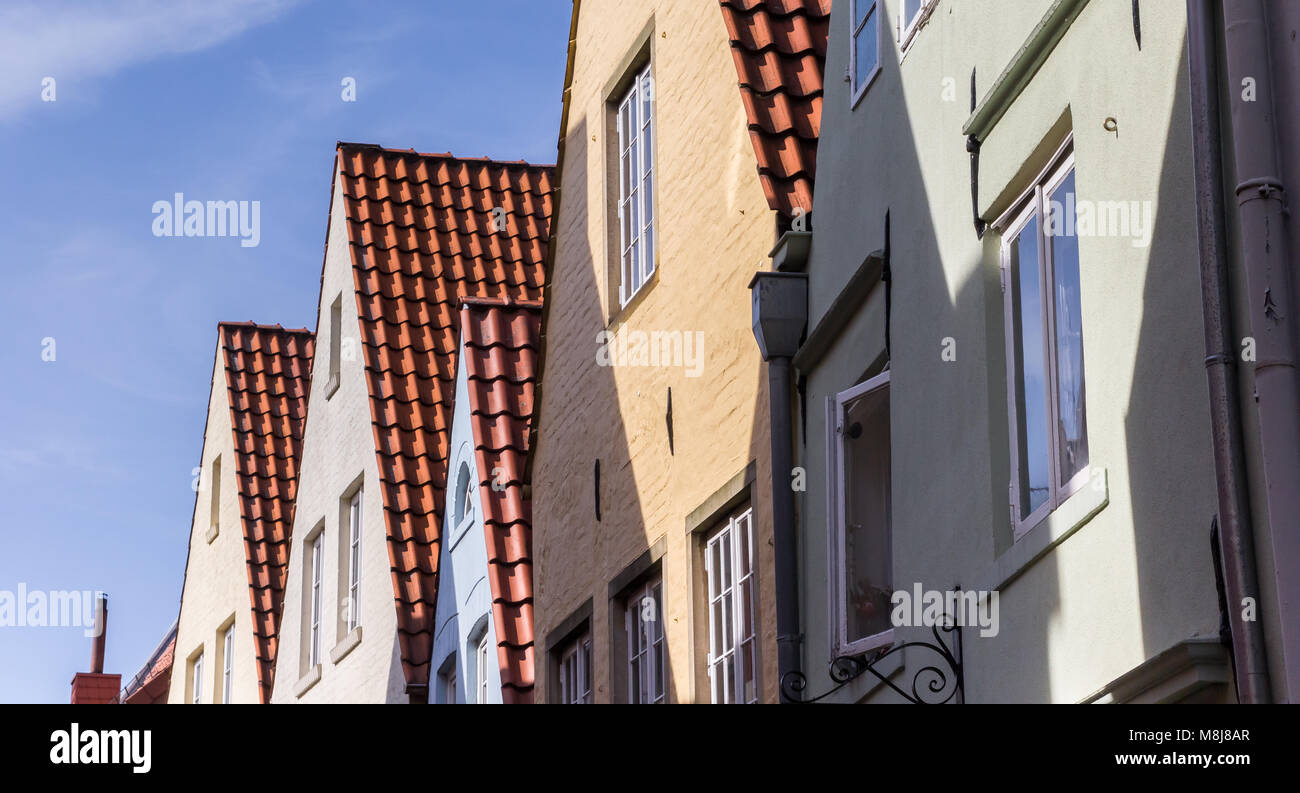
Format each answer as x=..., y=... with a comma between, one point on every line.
x=464, y=495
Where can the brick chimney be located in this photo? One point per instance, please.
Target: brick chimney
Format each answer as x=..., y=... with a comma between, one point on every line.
x=95, y=687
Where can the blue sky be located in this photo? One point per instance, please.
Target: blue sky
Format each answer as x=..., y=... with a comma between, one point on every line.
x=219, y=100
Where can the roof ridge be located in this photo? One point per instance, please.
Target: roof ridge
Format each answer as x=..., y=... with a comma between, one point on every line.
x=445, y=155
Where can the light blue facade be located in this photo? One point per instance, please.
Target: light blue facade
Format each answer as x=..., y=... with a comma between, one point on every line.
x=464, y=614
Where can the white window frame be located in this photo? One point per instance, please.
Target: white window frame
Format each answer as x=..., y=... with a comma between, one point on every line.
x=356, y=517
x=741, y=633
x=1031, y=205
x=447, y=679
x=196, y=682
x=481, y=669
x=314, y=631
x=645, y=255
x=836, y=503
x=857, y=91
x=649, y=647
x=575, y=672
x=227, y=663
x=907, y=30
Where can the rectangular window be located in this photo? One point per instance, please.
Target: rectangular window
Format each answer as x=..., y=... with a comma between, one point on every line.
x=354, y=562
x=733, y=646
x=643, y=623
x=214, y=506
x=196, y=680
x=1045, y=373
x=636, y=205
x=864, y=45
x=317, y=557
x=447, y=681
x=909, y=18
x=336, y=342
x=575, y=672
x=862, y=574
x=481, y=670
x=227, y=663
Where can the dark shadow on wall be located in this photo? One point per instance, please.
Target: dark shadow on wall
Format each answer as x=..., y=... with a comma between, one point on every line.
x=576, y=554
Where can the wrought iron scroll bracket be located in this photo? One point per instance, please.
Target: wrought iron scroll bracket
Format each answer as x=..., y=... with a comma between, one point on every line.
x=938, y=681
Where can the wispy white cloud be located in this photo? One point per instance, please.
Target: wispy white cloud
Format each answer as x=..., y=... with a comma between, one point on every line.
x=72, y=40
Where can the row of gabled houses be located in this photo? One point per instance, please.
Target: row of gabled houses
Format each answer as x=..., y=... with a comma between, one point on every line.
x=639, y=428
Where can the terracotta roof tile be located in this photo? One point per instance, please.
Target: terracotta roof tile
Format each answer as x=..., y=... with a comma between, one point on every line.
x=501, y=349
x=268, y=371
x=426, y=231
x=780, y=51
x=150, y=686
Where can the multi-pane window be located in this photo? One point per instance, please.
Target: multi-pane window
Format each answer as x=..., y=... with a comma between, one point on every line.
x=636, y=205
x=317, y=558
x=575, y=672
x=862, y=574
x=1045, y=373
x=227, y=663
x=196, y=680
x=481, y=670
x=864, y=44
x=733, y=646
x=354, y=561
x=644, y=626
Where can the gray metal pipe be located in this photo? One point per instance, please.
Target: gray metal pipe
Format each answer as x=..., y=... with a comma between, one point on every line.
x=1265, y=254
x=786, y=578
x=1237, y=543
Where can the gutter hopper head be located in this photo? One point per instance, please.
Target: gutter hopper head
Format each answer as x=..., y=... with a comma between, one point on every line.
x=780, y=312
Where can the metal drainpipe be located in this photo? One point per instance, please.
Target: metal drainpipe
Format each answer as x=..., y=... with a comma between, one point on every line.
x=1261, y=202
x=780, y=303
x=1237, y=544
x=785, y=542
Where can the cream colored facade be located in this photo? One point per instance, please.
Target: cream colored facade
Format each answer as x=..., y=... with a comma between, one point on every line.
x=666, y=474
x=215, y=593
x=338, y=454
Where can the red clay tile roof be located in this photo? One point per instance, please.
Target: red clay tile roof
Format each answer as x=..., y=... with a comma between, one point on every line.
x=501, y=363
x=780, y=51
x=426, y=230
x=149, y=687
x=268, y=371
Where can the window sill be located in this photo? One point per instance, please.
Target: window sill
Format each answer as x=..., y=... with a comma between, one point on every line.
x=331, y=385
x=213, y=531
x=1055, y=528
x=346, y=646
x=305, y=684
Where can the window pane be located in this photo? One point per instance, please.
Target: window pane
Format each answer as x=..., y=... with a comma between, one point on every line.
x=867, y=584
x=1072, y=431
x=864, y=43
x=1030, y=370
x=860, y=10
x=910, y=10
